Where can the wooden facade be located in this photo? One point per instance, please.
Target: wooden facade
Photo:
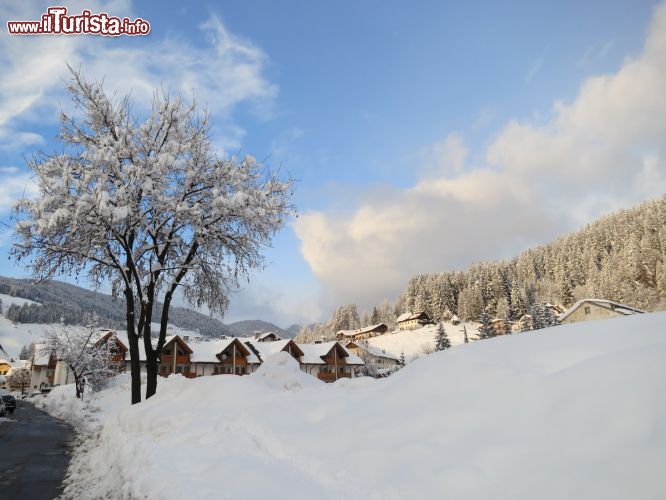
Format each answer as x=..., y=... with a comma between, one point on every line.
x=175, y=358
x=116, y=350
x=328, y=362
x=233, y=359
x=411, y=321
x=362, y=333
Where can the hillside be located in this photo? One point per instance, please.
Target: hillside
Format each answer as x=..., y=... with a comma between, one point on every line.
x=248, y=327
x=53, y=300
x=618, y=257
x=542, y=415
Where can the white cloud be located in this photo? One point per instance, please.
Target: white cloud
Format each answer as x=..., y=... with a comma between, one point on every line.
x=226, y=71
x=603, y=150
x=14, y=184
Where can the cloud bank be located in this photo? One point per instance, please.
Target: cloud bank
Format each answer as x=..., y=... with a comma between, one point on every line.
x=599, y=152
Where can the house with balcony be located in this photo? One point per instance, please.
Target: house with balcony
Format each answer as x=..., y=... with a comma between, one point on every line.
x=116, y=350
x=228, y=356
x=329, y=361
x=175, y=358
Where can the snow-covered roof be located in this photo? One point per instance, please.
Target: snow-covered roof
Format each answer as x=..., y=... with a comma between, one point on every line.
x=207, y=351
x=360, y=331
x=266, y=349
x=42, y=355
x=410, y=316
x=605, y=303
x=313, y=353
x=262, y=336
x=122, y=337
x=377, y=352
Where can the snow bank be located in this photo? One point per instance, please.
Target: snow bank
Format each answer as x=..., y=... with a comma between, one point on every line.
x=573, y=412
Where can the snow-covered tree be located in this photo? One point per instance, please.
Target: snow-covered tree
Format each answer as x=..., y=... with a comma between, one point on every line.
x=24, y=353
x=466, y=338
x=542, y=316
x=77, y=347
x=19, y=377
x=344, y=318
x=486, y=330
x=441, y=338
x=147, y=206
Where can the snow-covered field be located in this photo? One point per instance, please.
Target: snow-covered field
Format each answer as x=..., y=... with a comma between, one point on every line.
x=415, y=343
x=573, y=412
x=14, y=336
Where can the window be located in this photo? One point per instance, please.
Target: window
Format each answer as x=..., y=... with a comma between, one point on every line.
x=587, y=310
x=167, y=352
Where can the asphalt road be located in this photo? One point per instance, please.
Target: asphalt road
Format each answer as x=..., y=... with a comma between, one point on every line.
x=34, y=454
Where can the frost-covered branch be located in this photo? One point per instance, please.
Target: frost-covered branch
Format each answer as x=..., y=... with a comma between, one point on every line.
x=147, y=206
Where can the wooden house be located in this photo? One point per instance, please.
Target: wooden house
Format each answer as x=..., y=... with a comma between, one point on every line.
x=500, y=325
x=362, y=333
x=378, y=362
x=267, y=337
x=229, y=356
x=265, y=349
x=329, y=361
x=116, y=350
x=411, y=321
x=175, y=358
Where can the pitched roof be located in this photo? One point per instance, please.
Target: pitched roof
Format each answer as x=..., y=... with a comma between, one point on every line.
x=313, y=354
x=360, y=331
x=206, y=351
x=410, y=316
x=603, y=303
x=375, y=351
x=266, y=349
x=262, y=336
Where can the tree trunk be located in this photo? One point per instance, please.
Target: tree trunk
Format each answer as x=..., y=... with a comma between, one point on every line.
x=151, y=373
x=133, y=339
x=77, y=385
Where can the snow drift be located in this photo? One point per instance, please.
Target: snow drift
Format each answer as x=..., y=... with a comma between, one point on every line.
x=575, y=412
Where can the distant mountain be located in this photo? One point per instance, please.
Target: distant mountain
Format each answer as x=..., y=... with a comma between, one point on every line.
x=293, y=330
x=250, y=326
x=62, y=300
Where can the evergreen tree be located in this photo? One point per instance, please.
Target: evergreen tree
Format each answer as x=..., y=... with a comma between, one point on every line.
x=402, y=360
x=441, y=339
x=486, y=330
x=24, y=353
x=506, y=326
x=374, y=317
x=465, y=333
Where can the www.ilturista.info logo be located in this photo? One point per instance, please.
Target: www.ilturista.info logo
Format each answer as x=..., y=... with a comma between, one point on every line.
x=57, y=22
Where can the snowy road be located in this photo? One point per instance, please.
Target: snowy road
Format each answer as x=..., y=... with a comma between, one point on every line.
x=34, y=454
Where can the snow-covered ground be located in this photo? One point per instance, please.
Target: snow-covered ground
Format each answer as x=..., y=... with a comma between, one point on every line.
x=572, y=412
x=14, y=336
x=418, y=342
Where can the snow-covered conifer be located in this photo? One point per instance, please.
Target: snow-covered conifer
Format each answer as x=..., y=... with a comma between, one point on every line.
x=441, y=338
x=486, y=330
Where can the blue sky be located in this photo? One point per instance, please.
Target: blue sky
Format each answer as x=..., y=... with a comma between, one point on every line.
x=424, y=135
